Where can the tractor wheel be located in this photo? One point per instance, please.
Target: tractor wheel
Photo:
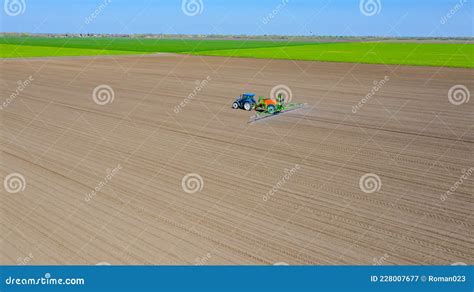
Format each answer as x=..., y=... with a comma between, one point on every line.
x=247, y=106
x=271, y=109
x=235, y=105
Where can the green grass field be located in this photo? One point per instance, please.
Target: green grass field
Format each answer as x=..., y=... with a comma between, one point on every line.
x=421, y=54
x=142, y=45
x=17, y=51
x=449, y=55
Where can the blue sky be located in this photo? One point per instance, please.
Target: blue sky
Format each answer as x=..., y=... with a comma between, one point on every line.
x=257, y=17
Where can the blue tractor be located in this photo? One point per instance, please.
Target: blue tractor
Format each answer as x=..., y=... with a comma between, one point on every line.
x=245, y=101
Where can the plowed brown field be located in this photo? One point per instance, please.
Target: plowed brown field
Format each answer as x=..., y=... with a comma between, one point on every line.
x=286, y=189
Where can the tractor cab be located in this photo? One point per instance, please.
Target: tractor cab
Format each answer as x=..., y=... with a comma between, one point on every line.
x=247, y=96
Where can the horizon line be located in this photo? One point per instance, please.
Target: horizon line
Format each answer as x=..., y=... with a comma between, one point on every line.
x=236, y=35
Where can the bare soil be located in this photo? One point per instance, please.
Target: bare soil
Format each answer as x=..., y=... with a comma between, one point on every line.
x=283, y=190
